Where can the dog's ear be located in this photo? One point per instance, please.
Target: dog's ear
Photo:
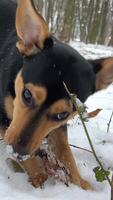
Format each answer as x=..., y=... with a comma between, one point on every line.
x=31, y=28
x=104, y=72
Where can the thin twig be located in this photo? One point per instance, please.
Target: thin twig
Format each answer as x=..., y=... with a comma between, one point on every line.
x=109, y=123
x=80, y=148
x=73, y=99
x=112, y=190
x=93, y=150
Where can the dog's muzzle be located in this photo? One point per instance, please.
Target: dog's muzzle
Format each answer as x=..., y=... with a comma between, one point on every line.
x=12, y=153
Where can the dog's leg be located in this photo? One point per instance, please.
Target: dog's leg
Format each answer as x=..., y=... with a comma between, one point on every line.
x=34, y=169
x=58, y=143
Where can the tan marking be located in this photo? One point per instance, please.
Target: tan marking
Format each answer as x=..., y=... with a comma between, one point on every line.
x=45, y=126
x=21, y=114
x=58, y=144
x=25, y=50
x=105, y=76
x=2, y=132
x=107, y=61
x=35, y=171
x=9, y=106
x=31, y=28
x=38, y=92
x=61, y=106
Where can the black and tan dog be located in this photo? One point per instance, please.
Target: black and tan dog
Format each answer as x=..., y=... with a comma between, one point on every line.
x=33, y=101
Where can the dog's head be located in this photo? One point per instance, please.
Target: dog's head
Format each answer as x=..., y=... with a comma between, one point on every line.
x=42, y=103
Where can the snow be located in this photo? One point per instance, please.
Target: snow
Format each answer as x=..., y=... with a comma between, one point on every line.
x=91, y=51
x=16, y=186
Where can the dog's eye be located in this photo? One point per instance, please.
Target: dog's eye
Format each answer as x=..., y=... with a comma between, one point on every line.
x=27, y=97
x=59, y=116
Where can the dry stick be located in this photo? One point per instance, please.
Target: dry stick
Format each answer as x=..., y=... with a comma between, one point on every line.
x=81, y=148
x=109, y=123
x=73, y=99
x=112, y=190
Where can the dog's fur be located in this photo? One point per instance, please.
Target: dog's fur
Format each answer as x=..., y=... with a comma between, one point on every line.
x=33, y=101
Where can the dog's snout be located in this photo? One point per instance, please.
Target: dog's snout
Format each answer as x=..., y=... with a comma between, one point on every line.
x=19, y=150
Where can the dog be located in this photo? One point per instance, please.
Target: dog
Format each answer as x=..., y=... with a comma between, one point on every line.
x=34, y=103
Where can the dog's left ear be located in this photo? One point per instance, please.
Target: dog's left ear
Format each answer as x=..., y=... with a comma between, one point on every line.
x=31, y=28
x=103, y=69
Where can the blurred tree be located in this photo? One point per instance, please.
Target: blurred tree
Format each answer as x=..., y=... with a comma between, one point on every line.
x=39, y=5
x=96, y=18
x=83, y=19
x=65, y=34
x=90, y=21
x=103, y=23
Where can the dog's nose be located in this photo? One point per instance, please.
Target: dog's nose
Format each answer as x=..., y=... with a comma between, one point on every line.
x=19, y=150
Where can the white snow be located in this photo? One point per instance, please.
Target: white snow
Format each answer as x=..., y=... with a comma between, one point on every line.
x=15, y=185
x=91, y=51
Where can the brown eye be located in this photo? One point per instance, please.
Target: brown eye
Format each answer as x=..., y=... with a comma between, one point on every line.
x=27, y=98
x=59, y=116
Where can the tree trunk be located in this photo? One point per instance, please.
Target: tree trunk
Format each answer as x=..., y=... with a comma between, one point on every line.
x=102, y=31
x=65, y=34
x=95, y=23
x=88, y=20
x=83, y=21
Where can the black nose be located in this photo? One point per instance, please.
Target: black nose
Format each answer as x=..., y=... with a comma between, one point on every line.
x=19, y=150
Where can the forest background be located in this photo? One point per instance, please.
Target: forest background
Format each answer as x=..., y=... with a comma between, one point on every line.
x=88, y=21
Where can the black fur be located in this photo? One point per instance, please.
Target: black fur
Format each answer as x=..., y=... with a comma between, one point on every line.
x=96, y=64
x=56, y=63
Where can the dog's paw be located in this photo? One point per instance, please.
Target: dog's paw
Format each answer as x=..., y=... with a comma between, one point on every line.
x=38, y=180
x=81, y=183
x=85, y=185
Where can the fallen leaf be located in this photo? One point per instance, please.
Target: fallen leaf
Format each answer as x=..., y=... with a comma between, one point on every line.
x=94, y=113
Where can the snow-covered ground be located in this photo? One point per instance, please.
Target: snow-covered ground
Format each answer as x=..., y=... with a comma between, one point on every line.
x=15, y=185
x=91, y=51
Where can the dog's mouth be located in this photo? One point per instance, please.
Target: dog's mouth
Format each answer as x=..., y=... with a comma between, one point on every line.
x=19, y=157
x=16, y=155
